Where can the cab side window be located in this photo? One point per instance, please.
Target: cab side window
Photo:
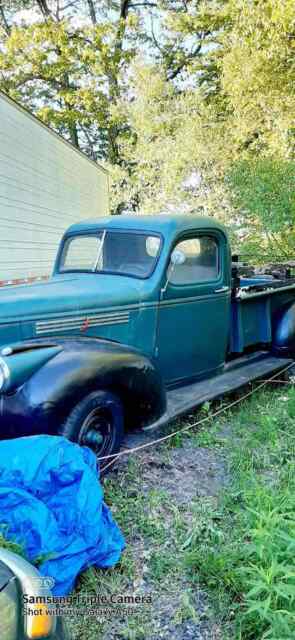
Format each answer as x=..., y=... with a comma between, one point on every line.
x=198, y=261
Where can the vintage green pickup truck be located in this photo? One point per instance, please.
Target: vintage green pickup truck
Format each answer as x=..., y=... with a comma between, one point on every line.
x=141, y=321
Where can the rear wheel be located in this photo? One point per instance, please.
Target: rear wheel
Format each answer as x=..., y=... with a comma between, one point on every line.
x=97, y=422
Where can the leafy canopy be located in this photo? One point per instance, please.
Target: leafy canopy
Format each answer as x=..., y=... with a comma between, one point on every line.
x=190, y=103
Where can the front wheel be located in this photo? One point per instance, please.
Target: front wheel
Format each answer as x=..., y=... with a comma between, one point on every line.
x=97, y=422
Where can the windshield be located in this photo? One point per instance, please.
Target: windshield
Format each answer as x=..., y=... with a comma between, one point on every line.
x=123, y=253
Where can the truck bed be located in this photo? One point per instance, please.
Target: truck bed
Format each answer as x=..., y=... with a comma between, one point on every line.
x=236, y=374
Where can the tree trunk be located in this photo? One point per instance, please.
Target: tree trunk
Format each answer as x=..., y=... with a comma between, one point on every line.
x=4, y=19
x=74, y=135
x=92, y=12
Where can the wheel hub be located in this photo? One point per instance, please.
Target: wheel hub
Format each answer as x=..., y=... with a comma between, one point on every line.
x=93, y=438
x=96, y=432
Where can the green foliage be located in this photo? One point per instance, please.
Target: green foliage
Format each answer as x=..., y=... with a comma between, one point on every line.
x=232, y=102
x=264, y=191
x=8, y=544
x=69, y=69
x=257, y=75
x=175, y=97
x=14, y=547
x=248, y=553
x=176, y=138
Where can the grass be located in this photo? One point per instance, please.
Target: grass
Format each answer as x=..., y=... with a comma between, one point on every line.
x=240, y=549
x=9, y=545
x=220, y=566
x=247, y=563
x=156, y=530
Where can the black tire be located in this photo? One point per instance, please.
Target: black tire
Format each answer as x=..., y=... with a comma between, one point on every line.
x=98, y=414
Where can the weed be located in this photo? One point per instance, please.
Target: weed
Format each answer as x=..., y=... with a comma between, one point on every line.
x=248, y=554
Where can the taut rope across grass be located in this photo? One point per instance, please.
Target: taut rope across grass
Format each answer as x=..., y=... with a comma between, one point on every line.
x=115, y=456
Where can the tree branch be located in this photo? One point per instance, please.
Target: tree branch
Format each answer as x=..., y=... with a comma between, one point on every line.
x=155, y=41
x=70, y=4
x=4, y=20
x=183, y=64
x=42, y=4
x=143, y=4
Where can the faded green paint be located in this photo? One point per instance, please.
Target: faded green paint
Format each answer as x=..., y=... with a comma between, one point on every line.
x=184, y=328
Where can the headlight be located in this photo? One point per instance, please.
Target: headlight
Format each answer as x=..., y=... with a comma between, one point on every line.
x=17, y=365
x=38, y=623
x=4, y=374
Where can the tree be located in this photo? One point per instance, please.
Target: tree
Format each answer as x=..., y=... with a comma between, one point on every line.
x=176, y=141
x=245, y=64
x=67, y=62
x=264, y=191
x=236, y=131
x=172, y=95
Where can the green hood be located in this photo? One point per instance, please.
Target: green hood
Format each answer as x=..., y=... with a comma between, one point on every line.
x=66, y=293
x=62, y=296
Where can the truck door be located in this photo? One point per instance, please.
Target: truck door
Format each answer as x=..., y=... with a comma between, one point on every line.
x=194, y=308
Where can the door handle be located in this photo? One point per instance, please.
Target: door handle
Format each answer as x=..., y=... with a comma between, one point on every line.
x=221, y=290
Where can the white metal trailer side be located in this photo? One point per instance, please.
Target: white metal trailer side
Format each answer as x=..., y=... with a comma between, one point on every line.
x=45, y=186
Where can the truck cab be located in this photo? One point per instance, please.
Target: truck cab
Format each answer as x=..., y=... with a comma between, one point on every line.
x=139, y=318
x=158, y=280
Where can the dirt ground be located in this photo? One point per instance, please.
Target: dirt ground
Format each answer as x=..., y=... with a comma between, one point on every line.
x=159, y=497
x=185, y=474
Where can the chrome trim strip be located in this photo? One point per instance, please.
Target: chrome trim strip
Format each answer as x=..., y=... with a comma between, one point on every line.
x=59, y=329
x=82, y=319
x=53, y=326
x=80, y=323
x=6, y=374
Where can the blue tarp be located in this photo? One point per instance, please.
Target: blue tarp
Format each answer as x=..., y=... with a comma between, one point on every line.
x=51, y=503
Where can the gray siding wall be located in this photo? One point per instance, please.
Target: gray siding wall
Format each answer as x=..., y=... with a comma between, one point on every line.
x=45, y=186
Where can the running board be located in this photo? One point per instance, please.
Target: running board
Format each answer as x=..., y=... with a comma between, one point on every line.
x=236, y=374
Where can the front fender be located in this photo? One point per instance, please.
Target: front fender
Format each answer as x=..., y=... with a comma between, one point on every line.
x=79, y=367
x=22, y=365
